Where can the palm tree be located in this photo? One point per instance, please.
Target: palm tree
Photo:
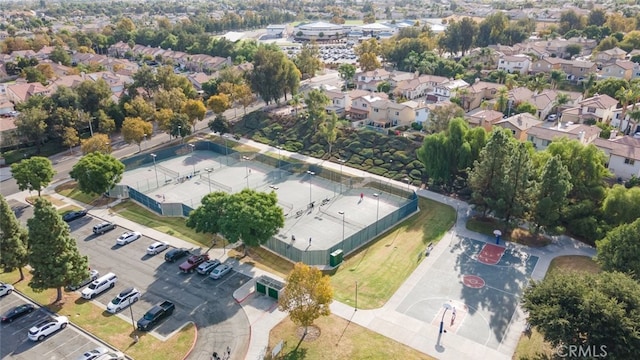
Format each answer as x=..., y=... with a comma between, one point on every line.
x=295, y=101
x=624, y=96
x=511, y=81
x=537, y=83
x=586, y=85
x=502, y=99
x=557, y=76
x=561, y=99
x=501, y=76
x=635, y=116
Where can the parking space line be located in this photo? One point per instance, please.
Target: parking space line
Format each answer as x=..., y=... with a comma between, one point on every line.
x=61, y=345
x=228, y=277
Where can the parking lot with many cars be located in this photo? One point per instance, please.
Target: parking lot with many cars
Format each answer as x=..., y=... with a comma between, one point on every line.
x=198, y=298
x=68, y=343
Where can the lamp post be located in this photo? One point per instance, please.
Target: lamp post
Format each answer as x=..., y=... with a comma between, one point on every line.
x=133, y=323
x=193, y=149
x=311, y=173
x=341, y=163
x=356, y=308
x=155, y=168
x=377, y=196
x=246, y=169
x=209, y=178
x=342, y=213
x=180, y=133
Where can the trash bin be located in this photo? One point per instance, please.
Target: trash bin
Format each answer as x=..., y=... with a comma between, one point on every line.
x=335, y=258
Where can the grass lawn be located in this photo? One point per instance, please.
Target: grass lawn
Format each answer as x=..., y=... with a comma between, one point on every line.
x=263, y=259
x=47, y=149
x=109, y=328
x=69, y=208
x=175, y=226
x=520, y=236
x=338, y=339
x=55, y=202
x=533, y=346
x=384, y=265
x=70, y=190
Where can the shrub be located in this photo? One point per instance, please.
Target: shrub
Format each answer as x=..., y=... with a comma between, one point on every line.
x=416, y=126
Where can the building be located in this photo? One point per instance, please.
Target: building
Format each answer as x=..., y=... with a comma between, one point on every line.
x=519, y=124
x=319, y=31
x=277, y=31
x=542, y=135
x=623, y=155
x=385, y=113
x=598, y=108
x=514, y=64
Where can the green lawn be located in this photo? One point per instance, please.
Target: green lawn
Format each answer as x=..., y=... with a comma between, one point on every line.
x=47, y=149
x=384, y=265
x=70, y=190
x=338, y=339
x=533, y=346
x=109, y=328
x=175, y=226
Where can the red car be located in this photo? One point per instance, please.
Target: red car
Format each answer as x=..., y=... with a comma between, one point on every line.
x=192, y=263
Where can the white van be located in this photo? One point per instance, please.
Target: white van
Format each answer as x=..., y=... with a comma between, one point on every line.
x=99, y=285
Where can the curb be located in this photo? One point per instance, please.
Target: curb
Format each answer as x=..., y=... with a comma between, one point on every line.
x=194, y=341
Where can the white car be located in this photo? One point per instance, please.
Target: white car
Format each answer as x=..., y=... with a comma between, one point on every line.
x=220, y=271
x=207, y=266
x=5, y=289
x=94, y=354
x=99, y=286
x=128, y=237
x=125, y=298
x=157, y=247
x=47, y=327
x=112, y=356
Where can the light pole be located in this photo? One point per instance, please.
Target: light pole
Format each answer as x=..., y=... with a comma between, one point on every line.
x=356, y=308
x=155, y=168
x=209, y=177
x=446, y=307
x=341, y=163
x=311, y=173
x=246, y=169
x=377, y=196
x=193, y=149
x=342, y=213
x=133, y=323
x=279, y=156
x=180, y=133
x=408, y=182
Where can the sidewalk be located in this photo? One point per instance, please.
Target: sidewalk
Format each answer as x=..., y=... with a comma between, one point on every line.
x=263, y=314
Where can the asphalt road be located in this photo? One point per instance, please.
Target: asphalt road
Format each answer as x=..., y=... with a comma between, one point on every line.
x=209, y=303
x=68, y=343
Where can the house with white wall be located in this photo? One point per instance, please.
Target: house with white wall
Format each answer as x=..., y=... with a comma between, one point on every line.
x=515, y=64
x=623, y=154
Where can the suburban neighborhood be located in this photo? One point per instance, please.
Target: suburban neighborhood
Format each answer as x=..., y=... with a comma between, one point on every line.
x=343, y=180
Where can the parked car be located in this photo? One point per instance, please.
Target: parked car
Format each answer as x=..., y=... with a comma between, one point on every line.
x=111, y=356
x=157, y=247
x=94, y=354
x=100, y=285
x=72, y=215
x=175, y=254
x=552, y=117
x=93, y=274
x=47, y=327
x=207, y=266
x=155, y=314
x=220, y=271
x=17, y=312
x=126, y=298
x=128, y=237
x=5, y=289
x=103, y=227
x=193, y=262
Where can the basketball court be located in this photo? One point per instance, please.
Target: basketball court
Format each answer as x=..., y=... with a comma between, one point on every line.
x=473, y=289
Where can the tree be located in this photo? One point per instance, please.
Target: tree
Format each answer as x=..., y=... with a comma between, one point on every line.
x=31, y=123
x=54, y=257
x=329, y=130
x=306, y=296
x=573, y=50
x=271, y=70
x=179, y=125
x=557, y=77
x=316, y=101
x=13, y=240
x=208, y=217
x=609, y=86
x=244, y=95
x=70, y=138
x=551, y=193
x=384, y=87
x=369, y=62
x=596, y=310
x=252, y=217
x=60, y=55
x=526, y=107
x=489, y=174
x=220, y=125
x=517, y=195
x=97, y=173
x=98, y=142
x=621, y=205
x=569, y=20
x=106, y=124
x=195, y=111
x=93, y=95
x=219, y=103
x=347, y=72
x=134, y=130
x=170, y=99
x=308, y=60
x=35, y=173
x=619, y=249
x=597, y=17
x=139, y=107
x=440, y=117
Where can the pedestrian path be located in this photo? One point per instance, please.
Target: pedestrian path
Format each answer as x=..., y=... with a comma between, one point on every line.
x=263, y=314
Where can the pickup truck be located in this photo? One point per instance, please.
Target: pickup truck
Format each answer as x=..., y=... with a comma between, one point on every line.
x=192, y=263
x=155, y=314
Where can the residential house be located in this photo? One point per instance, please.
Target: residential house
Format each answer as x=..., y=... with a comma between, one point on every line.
x=623, y=155
x=446, y=90
x=397, y=76
x=547, y=64
x=418, y=86
x=609, y=56
x=339, y=102
x=484, y=118
x=198, y=79
x=545, y=102
x=44, y=52
x=59, y=69
x=519, y=124
x=6, y=106
x=478, y=92
x=361, y=103
x=578, y=71
x=8, y=132
x=20, y=92
x=626, y=122
x=543, y=134
x=599, y=107
x=369, y=80
x=385, y=113
x=514, y=64
x=421, y=111
x=620, y=69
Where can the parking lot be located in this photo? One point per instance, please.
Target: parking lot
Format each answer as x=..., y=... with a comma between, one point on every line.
x=198, y=298
x=69, y=343
x=330, y=53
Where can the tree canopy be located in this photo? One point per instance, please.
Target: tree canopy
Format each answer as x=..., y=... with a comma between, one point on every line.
x=33, y=174
x=13, y=240
x=620, y=249
x=97, y=173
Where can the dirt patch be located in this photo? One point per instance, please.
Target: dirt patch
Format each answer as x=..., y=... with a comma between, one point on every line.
x=524, y=237
x=313, y=333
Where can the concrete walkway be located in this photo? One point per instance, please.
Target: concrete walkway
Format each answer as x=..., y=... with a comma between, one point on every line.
x=263, y=314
